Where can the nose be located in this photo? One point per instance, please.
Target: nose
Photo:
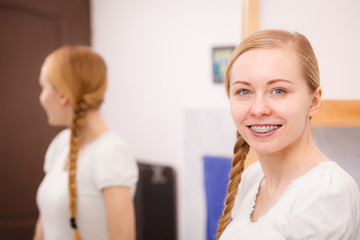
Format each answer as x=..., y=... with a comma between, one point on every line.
x=260, y=107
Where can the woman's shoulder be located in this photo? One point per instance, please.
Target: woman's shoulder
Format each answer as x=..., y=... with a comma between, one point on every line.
x=110, y=147
x=252, y=172
x=329, y=175
x=110, y=141
x=112, y=163
x=247, y=187
x=250, y=177
x=61, y=138
x=325, y=198
x=329, y=185
x=58, y=145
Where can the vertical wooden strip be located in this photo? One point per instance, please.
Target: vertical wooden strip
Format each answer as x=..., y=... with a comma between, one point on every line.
x=250, y=23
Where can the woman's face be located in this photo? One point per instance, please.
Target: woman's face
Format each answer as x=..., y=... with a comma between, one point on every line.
x=52, y=101
x=270, y=101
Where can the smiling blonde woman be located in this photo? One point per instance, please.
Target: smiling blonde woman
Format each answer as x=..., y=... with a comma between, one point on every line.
x=294, y=191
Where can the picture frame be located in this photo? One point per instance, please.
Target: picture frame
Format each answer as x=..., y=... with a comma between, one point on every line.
x=220, y=60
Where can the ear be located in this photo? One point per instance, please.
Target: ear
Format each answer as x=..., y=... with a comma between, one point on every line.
x=315, y=102
x=64, y=100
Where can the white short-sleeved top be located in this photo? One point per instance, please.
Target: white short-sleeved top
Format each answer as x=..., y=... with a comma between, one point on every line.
x=323, y=204
x=105, y=162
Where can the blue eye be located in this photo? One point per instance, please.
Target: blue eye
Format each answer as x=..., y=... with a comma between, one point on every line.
x=244, y=92
x=278, y=91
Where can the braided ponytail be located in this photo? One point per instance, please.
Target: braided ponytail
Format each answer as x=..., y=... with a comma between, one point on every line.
x=75, y=142
x=80, y=74
x=241, y=149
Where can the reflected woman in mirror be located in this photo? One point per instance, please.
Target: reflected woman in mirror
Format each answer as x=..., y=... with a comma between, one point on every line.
x=90, y=174
x=294, y=191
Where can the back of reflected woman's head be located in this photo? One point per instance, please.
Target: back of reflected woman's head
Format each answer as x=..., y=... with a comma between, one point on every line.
x=79, y=73
x=267, y=39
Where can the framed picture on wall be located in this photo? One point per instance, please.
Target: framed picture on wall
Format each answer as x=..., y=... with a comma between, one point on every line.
x=220, y=59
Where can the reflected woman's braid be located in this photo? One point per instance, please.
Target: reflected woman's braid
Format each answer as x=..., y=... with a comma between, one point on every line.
x=241, y=149
x=75, y=141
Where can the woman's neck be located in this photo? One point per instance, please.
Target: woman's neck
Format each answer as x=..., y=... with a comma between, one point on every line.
x=93, y=127
x=280, y=168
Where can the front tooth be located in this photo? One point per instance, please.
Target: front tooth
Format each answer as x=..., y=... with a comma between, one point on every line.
x=263, y=129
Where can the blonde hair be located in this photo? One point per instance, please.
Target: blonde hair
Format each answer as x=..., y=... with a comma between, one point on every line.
x=265, y=39
x=80, y=74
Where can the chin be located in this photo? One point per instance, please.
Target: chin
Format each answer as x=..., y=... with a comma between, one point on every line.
x=53, y=123
x=264, y=148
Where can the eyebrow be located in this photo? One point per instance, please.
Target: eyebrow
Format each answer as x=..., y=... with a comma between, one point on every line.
x=241, y=82
x=279, y=80
x=268, y=83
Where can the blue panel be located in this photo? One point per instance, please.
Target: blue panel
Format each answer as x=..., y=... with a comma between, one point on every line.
x=216, y=174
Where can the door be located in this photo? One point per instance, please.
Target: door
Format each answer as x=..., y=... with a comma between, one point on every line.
x=29, y=31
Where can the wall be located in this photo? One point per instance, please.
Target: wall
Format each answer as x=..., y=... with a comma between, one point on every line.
x=159, y=63
x=161, y=95
x=333, y=28
x=159, y=58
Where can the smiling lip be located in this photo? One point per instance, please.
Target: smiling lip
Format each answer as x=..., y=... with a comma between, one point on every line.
x=264, y=129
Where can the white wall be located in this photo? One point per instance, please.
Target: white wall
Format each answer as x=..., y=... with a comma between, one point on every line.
x=159, y=58
x=333, y=28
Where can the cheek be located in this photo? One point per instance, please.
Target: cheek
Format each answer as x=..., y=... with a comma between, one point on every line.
x=237, y=112
x=294, y=107
x=42, y=98
x=296, y=116
x=232, y=110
